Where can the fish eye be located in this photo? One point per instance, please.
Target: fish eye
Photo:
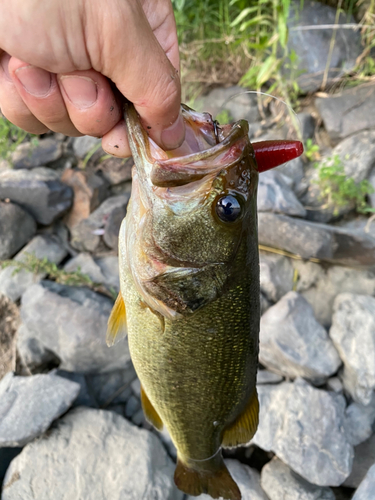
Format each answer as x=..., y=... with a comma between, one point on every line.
x=228, y=208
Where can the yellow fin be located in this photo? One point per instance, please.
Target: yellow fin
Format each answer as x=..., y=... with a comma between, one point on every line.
x=116, y=329
x=216, y=481
x=245, y=425
x=150, y=412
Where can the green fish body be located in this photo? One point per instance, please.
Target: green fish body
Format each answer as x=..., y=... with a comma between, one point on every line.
x=189, y=272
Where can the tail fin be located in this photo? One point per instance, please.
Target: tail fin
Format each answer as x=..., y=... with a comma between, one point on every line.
x=216, y=481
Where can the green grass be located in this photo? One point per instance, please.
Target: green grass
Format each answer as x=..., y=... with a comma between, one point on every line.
x=10, y=137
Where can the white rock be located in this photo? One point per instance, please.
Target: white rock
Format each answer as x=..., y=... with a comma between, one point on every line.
x=276, y=275
x=92, y=455
x=353, y=333
x=367, y=487
x=359, y=421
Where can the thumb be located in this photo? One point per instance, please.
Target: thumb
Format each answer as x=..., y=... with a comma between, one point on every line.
x=132, y=57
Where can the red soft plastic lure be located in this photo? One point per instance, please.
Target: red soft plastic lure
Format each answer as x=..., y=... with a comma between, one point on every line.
x=271, y=154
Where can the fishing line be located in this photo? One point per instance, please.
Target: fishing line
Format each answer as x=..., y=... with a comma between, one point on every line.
x=257, y=92
x=204, y=459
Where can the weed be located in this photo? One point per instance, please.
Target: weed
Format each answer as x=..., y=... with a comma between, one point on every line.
x=311, y=150
x=10, y=137
x=224, y=116
x=338, y=190
x=43, y=266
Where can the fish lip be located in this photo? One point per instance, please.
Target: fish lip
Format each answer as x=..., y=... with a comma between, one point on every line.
x=183, y=169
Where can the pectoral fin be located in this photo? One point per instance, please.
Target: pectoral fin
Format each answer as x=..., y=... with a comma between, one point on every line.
x=245, y=425
x=150, y=412
x=116, y=329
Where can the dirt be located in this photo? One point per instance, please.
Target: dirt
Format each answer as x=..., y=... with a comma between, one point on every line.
x=9, y=320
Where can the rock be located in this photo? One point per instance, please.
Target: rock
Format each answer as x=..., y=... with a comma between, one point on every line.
x=13, y=284
x=71, y=322
x=313, y=46
x=307, y=124
x=112, y=227
x=139, y=420
x=274, y=195
x=309, y=239
x=28, y=406
x=113, y=387
x=334, y=384
x=353, y=333
x=9, y=319
x=360, y=421
x=357, y=154
x=364, y=458
x=87, y=144
x=279, y=481
x=348, y=112
x=294, y=169
x=92, y=454
x=116, y=170
x=294, y=344
x=264, y=303
x=110, y=270
x=303, y=426
x=132, y=406
x=86, y=234
x=36, y=154
x=90, y=191
x=12, y=217
x=320, y=286
x=366, y=489
x=85, y=264
x=39, y=191
x=242, y=105
x=33, y=355
x=267, y=377
x=371, y=180
x=85, y=396
x=6, y=456
x=136, y=387
x=276, y=275
x=247, y=480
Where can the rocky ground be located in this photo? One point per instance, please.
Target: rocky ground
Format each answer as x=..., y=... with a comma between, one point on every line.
x=71, y=421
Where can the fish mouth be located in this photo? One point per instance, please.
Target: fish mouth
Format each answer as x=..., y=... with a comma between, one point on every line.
x=207, y=149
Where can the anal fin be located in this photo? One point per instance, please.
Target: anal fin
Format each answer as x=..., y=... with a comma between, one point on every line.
x=243, y=428
x=150, y=412
x=116, y=329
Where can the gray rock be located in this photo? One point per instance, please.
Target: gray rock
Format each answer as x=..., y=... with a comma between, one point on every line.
x=274, y=195
x=132, y=406
x=364, y=458
x=366, y=489
x=334, y=384
x=28, y=406
x=279, y=481
x=371, y=180
x=86, y=234
x=116, y=170
x=304, y=427
x=36, y=154
x=110, y=270
x=86, y=144
x=242, y=105
x=139, y=419
x=39, y=191
x=320, y=286
x=34, y=356
x=360, y=421
x=357, y=154
x=276, y=275
x=85, y=396
x=92, y=454
x=247, y=480
x=71, y=322
x=113, y=387
x=11, y=240
x=136, y=387
x=307, y=124
x=85, y=263
x=294, y=344
x=353, y=333
x=267, y=377
x=294, y=169
x=13, y=284
x=313, y=46
x=308, y=239
x=349, y=112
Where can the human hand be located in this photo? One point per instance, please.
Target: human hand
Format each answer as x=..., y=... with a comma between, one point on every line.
x=58, y=58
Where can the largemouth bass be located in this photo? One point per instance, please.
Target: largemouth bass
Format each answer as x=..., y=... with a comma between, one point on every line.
x=189, y=300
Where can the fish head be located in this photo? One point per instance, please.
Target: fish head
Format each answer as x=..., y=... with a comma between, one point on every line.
x=191, y=210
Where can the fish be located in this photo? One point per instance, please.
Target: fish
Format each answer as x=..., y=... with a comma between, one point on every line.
x=189, y=290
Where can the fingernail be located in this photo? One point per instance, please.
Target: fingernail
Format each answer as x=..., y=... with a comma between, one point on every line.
x=5, y=65
x=35, y=81
x=81, y=91
x=173, y=136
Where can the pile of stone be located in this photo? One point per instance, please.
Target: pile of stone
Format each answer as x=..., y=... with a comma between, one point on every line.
x=70, y=414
